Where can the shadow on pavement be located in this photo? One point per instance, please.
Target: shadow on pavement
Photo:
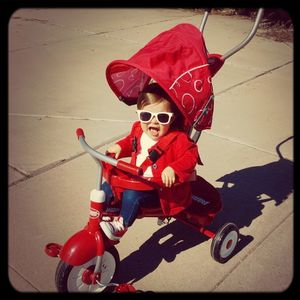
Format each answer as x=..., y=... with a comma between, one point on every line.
x=164, y=244
x=243, y=193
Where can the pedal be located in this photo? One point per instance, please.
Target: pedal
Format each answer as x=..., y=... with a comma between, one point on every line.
x=160, y=221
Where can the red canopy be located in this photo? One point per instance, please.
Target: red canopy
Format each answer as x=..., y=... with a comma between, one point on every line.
x=177, y=60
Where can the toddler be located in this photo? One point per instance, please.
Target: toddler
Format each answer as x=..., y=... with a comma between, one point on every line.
x=158, y=118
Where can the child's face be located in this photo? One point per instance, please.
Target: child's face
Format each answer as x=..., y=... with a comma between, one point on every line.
x=154, y=129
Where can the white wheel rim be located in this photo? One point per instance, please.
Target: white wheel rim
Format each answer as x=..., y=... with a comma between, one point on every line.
x=228, y=244
x=108, y=268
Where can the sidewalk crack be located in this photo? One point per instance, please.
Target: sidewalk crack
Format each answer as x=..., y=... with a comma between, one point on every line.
x=68, y=117
x=60, y=162
x=253, y=78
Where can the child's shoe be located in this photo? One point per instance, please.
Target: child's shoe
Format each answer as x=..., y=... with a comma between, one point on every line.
x=115, y=229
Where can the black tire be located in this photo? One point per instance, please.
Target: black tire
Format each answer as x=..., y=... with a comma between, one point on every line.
x=224, y=242
x=66, y=276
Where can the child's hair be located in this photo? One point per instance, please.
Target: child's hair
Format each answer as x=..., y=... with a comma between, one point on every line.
x=153, y=93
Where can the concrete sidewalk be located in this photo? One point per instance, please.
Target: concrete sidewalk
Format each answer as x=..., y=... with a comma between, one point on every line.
x=57, y=62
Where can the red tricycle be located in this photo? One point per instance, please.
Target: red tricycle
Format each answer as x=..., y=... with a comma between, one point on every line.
x=89, y=259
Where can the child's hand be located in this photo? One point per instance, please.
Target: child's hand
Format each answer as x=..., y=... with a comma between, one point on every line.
x=116, y=149
x=168, y=176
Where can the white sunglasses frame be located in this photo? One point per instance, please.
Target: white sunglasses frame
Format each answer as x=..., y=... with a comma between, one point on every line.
x=154, y=114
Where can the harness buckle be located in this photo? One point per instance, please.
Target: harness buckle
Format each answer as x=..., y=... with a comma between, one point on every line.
x=154, y=155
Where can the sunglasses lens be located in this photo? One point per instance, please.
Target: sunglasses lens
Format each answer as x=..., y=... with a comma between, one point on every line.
x=163, y=118
x=145, y=116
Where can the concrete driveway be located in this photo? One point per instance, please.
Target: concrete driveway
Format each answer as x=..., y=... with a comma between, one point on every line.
x=57, y=62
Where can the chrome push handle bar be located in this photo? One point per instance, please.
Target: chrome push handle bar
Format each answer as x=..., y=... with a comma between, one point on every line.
x=245, y=41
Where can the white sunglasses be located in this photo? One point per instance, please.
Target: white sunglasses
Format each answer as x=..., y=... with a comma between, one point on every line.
x=163, y=118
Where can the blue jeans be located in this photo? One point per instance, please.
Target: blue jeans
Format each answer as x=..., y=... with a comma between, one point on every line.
x=132, y=200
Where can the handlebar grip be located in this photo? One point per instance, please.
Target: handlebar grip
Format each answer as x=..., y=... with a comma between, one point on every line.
x=79, y=132
x=134, y=170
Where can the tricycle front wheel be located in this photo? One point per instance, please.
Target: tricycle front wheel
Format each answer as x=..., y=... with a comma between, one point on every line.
x=224, y=242
x=70, y=278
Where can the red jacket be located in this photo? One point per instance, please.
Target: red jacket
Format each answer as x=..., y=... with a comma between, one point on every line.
x=182, y=155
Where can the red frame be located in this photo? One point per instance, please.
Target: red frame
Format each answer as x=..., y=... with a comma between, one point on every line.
x=91, y=241
x=120, y=181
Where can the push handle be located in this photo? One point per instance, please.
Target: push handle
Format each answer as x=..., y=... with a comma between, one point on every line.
x=244, y=42
x=204, y=19
x=248, y=37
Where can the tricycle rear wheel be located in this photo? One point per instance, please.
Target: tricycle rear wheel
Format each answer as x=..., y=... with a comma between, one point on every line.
x=224, y=242
x=68, y=278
